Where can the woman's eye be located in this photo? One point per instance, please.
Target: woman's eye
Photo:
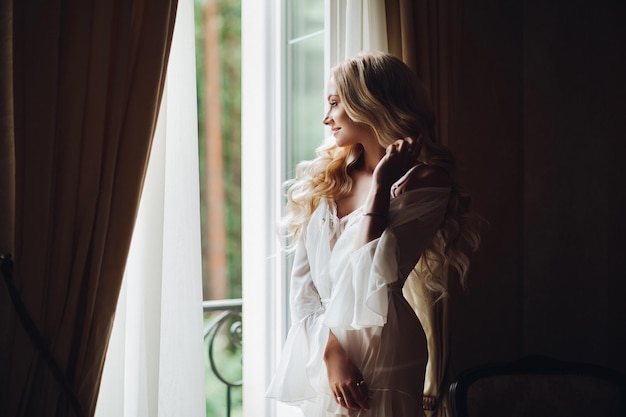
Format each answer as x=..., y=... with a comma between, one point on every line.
x=333, y=103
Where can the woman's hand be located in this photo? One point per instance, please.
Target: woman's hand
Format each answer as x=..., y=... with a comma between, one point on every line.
x=344, y=378
x=400, y=156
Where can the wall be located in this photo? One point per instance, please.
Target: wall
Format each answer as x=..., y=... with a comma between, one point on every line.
x=540, y=142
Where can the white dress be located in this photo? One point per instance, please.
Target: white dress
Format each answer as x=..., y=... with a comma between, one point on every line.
x=358, y=295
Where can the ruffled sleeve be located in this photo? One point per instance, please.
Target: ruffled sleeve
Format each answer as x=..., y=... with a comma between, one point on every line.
x=304, y=298
x=361, y=278
x=298, y=369
x=415, y=216
x=360, y=295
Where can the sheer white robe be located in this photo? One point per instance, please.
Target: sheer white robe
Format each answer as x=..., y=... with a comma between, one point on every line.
x=358, y=295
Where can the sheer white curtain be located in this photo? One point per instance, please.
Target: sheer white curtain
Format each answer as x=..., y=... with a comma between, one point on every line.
x=155, y=360
x=355, y=26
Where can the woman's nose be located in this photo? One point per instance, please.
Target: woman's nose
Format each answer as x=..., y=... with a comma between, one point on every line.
x=326, y=120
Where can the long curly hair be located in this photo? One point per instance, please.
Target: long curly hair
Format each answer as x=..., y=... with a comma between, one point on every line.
x=382, y=92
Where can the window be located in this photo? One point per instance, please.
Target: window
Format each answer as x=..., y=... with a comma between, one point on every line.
x=274, y=84
x=304, y=92
x=283, y=78
x=305, y=81
x=288, y=47
x=285, y=57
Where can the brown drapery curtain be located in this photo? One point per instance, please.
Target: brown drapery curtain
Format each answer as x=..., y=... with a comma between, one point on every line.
x=538, y=133
x=424, y=33
x=81, y=84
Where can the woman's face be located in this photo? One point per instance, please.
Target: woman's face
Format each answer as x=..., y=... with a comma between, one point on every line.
x=345, y=131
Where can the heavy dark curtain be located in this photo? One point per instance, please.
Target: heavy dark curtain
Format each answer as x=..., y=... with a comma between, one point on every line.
x=81, y=81
x=536, y=124
x=424, y=33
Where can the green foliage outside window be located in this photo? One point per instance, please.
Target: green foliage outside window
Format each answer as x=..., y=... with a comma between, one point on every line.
x=229, y=24
x=229, y=20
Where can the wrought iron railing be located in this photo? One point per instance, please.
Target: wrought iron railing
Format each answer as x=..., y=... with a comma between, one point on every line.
x=225, y=324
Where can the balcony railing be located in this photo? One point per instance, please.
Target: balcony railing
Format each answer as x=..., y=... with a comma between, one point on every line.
x=224, y=328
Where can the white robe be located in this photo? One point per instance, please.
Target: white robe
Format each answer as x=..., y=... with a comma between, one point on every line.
x=358, y=295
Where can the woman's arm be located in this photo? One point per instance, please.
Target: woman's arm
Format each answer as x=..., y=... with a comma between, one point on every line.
x=375, y=212
x=400, y=156
x=344, y=378
x=304, y=298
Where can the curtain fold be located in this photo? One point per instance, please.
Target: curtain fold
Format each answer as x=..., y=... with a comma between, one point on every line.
x=87, y=77
x=424, y=34
x=7, y=148
x=154, y=364
x=357, y=26
x=365, y=27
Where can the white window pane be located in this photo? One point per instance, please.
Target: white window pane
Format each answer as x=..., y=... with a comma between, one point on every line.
x=305, y=102
x=304, y=17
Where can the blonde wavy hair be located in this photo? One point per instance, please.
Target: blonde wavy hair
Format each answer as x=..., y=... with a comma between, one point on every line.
x=380, y=91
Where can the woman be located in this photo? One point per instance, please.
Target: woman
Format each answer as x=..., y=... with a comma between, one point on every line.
x=378, y=197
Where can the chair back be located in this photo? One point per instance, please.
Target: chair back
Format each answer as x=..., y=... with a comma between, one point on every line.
x=538, y=386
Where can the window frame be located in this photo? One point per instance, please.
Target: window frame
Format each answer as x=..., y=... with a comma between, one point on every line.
x=262, y=68
x=264, y=120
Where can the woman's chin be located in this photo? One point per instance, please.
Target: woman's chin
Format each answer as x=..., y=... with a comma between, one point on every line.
x=341, y=143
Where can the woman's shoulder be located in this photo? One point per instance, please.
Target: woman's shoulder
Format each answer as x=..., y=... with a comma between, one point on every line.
x=423, y=176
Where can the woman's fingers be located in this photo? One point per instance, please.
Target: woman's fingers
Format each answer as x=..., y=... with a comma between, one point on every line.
x=342, y=395
x=341, y=399
x=346, y=399
x=362, y=395
x=418, y=145
x=400, y=156
x=354, y=396
x=412, y=147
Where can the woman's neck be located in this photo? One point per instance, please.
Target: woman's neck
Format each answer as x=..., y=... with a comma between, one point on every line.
x=371, y=157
